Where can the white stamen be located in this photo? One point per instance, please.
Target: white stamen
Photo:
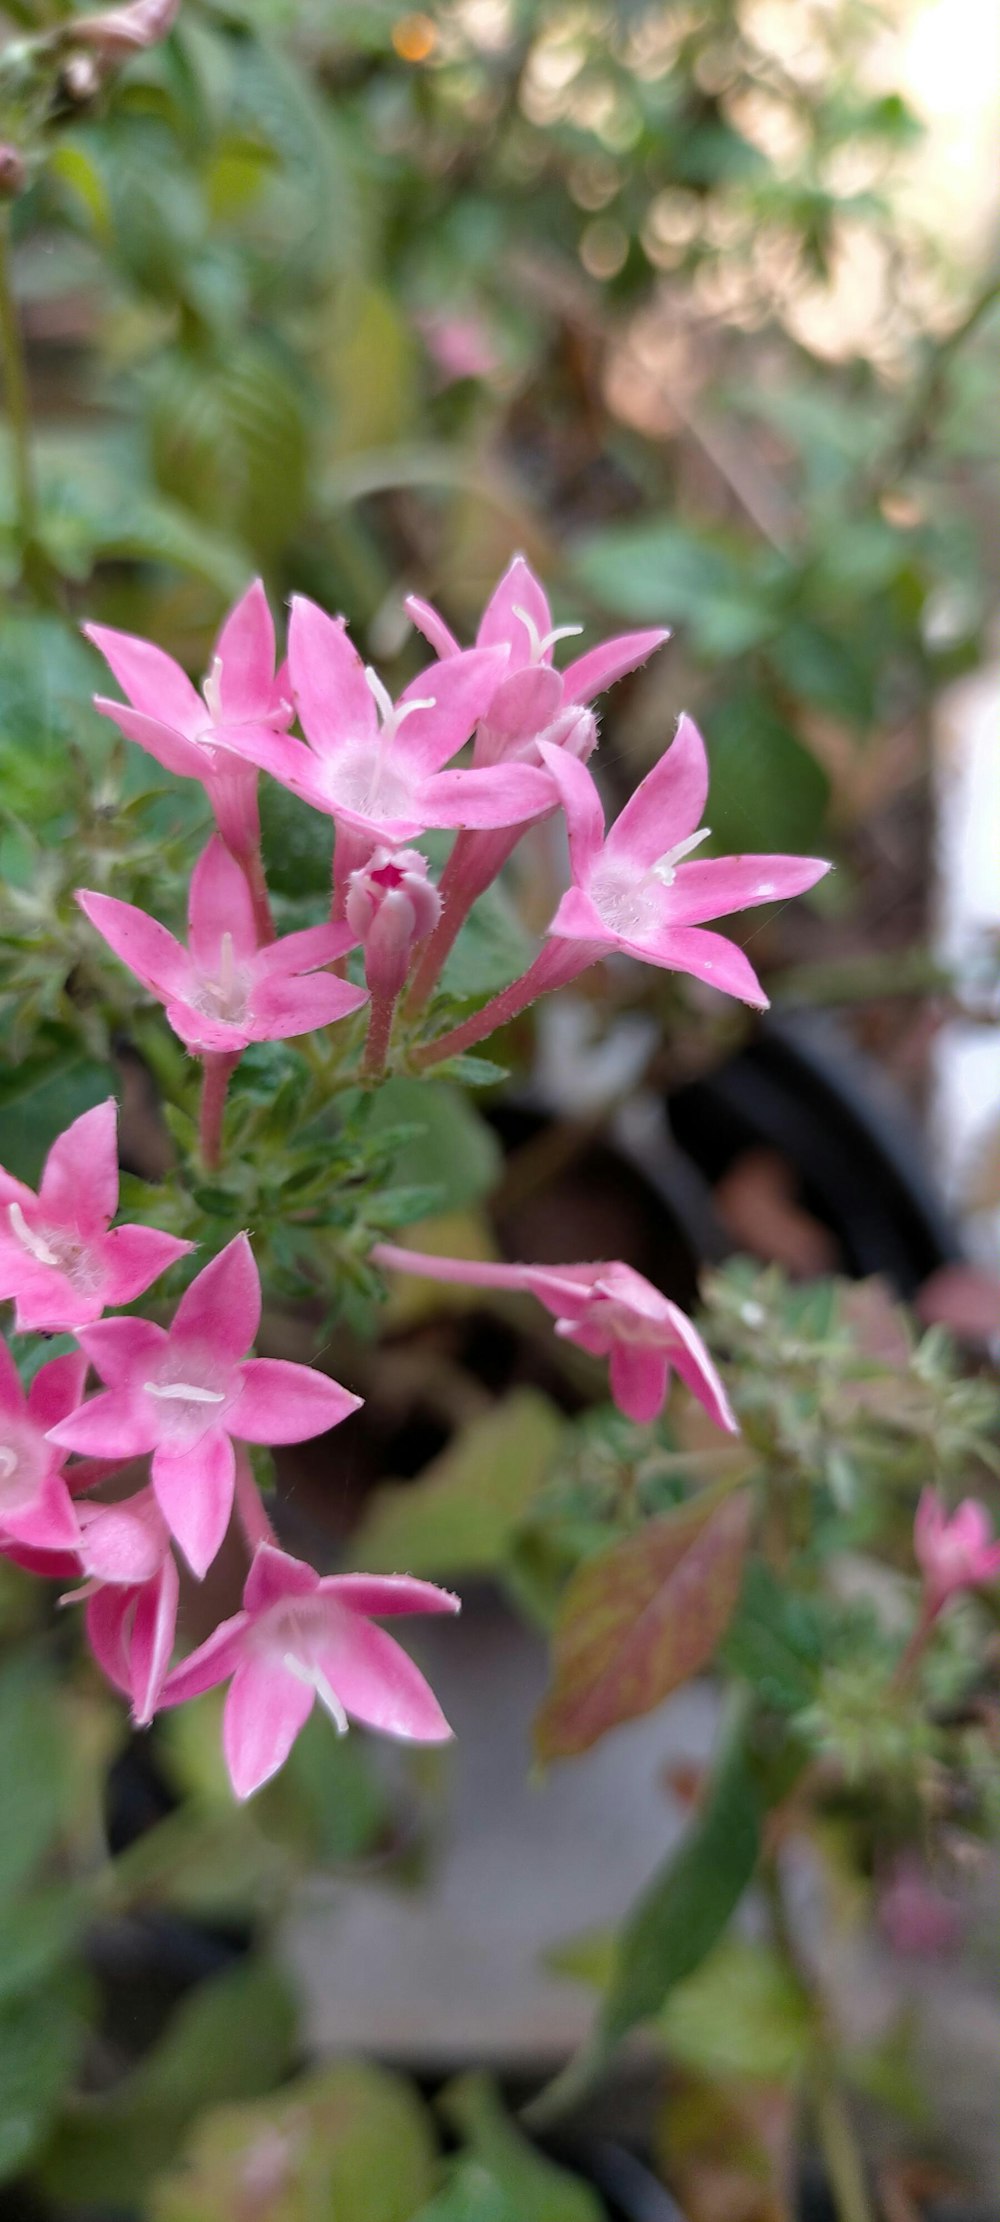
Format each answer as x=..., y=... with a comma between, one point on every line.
x=539, y=642
x=383, y=700
x=184, y=1392
x=34, y=1242
x=227, y=969
x=8, y=1462
x=315, y=1679
x=212, y=690
x=391, y=714
x=665, y=868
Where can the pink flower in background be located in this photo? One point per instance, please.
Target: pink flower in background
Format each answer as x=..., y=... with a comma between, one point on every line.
x=224, y=991
x=954, y=1554
x=461, y=346
x=35, y=1504
x=377, y=767
x=199, y=736
x=392, y=905
x=607, y=1309
x=117, y=32
x=184, y=1394
x=299, y=1638
x=60, y=1258
x=915, y=1916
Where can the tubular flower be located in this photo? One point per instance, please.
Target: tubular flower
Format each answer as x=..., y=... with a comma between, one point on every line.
x=35, y=1504
x=392, y=905
x=186, y=1393
x=200, y=736
x=60, y=1258
x=607, y=1309
x=953, y=1554
x=377, y=767
x=299, y=1638
x=224, y=991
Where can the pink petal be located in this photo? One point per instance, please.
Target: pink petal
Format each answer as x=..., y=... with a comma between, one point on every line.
x=303, y=951
x=152, y=681
x=79, y=1187
x=47, y=1302
x=590, y=674
x=49, y=1522
x=153, y=1632
x=110, y=1426
x=12, y=1397
x=108, y=1618
x=383, y=1594
x=667, y=805
x=334, y=700
x=279, y=1402
x=187, y=759
x=56, y=1389
x=518, y=589
x=245, y=648
x=281, y=1009
x=134, y=1257
x=691, y=1360
x=377, y=1682
x=194, y=1490
x=505, y=795
x=425, y=617
x=714, y=887
x=142, y=944
x=219, y=903
x=709, y=957
x=523, y=705
x=123, y=1350
x=123, y=1543
x=639, y=1378
x=203, y=1036
x=578, y=919
x=213, y=1662
x=582, y=804
x=273, y=1576
x=289, y=761
x=460, y=690
x=220, y=1312
x=264, y=1712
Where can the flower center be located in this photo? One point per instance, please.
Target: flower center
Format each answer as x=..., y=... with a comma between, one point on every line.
x=665, y=868
x=227, y=997
x=20, y=1472
x=187, y=1408
x=295, y=1635
x=66, y=1253
x=540, y=643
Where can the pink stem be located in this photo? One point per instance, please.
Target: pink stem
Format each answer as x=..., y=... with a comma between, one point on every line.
x=917, y=1643
x=217, y=1066
x=253, y=866
x=250, y=1508
x=380, y=1016
x=557, y=963
x=474, y=863
x=469, y=1272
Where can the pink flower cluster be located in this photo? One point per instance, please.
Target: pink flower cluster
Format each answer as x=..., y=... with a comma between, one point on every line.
x=187, y=1398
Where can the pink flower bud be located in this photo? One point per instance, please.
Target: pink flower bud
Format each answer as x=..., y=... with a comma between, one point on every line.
x=116, y=32
x=953, y=1554
x=392, y=905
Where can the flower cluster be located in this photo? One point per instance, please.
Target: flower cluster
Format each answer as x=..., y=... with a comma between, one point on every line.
x=76, y=1500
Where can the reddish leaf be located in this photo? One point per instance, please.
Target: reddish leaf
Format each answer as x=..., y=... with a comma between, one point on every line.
x=641, y=1619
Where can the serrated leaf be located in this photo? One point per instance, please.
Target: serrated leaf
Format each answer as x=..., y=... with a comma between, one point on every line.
x=640, y=1619
x=459, y=1516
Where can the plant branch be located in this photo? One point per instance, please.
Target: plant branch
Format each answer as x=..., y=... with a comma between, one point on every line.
x=16, y=395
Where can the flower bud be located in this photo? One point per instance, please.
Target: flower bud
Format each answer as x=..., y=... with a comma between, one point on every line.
x=116, y=32
x=392, y=905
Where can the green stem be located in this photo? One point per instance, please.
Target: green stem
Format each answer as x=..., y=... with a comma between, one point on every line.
x=15, y=378
x=839, y=2147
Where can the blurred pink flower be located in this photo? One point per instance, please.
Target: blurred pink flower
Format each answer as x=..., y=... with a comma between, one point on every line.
x=298, y=1638
x=224, y=991
x=609, y=1310
x=460, y=346
x=35, y=1504
x=914, y=1915
x=953, y=1554
x=115, y=32
x=60, y=1258
x=184, y=1394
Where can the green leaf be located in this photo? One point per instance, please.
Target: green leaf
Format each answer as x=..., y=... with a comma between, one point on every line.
x=454, y=1151
x=662, y=573
x=640, y=1619
x=42, y=1098
x=40, y=2040
x=460, y=1515
x=36, y=1934
x=767, y=791
x=232, y=2038
x=501, y=2177
x=492, y=949
x=741, y=2013
x=774, y=1641
x=33, y=1769
x=352, y=2141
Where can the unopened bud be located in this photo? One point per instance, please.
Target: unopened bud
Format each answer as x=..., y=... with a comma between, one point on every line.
x=13, y=173
x=115, y=32
x=392, y=906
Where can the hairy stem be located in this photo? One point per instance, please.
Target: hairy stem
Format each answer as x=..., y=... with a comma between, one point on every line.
x=557, y=963
x=217, y=1067
x=380, y=1016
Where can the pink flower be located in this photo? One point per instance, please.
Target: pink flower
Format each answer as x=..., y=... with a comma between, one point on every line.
x=60, y=1257
x=223, y=991
x=915, y=1916
x=200, y=736
x=953, y=1554
x=608, y=1309
x=35, y=1504
x=392, y=905
x=131, y=1591
x=531, y=694
x=115, y=32
x=377, y=767
x=185, y=1394
x=299, y=1638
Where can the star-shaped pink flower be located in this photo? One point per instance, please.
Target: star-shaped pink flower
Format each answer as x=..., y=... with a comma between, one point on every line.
x=223, y=991
x=200, y=736
x=377, y=767
x=299, y=1638
x=132, y=1592
x=608, y=1309
x=60, y=1258
x=184, y=1394
x=957, y=1553
x=35, y=1504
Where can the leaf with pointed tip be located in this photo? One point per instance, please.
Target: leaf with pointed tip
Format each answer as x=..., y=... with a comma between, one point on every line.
x=641, y=1619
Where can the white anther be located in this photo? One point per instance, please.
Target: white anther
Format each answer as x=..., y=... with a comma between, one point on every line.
x=35, y=1243
x=539, y=642
x=665, y=868
x=212, y=690
x=184, y=1392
